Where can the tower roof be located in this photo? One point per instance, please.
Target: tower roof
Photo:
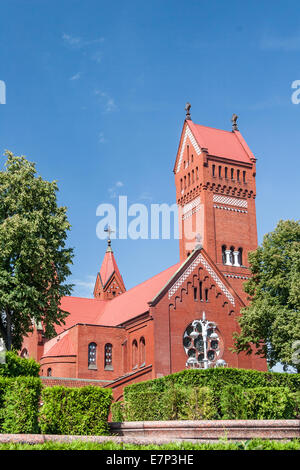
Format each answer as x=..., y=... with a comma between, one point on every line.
x=109, y=266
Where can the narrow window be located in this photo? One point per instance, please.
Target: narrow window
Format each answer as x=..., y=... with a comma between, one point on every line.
x=188, y=154
x=192, y=158
x=189, y=179
x=92, y=355
x=195, y=294
x=200, y=290
x=181, y=184
x=185, y=182
x=206, y=295
x=196, y=172
x=244, y=176
x=226, y=172
x=231, y=254
x=220, y=171
x=134, y=354
x=49, y=372
x=240, y=257
x=238, y=175
x=142, y=352
x=232, y=173
x=214, y=170
x=193, y=176
x=108, y=356
x=223, y=254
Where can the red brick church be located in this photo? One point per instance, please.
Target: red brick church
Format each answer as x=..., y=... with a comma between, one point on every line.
x=185, y=315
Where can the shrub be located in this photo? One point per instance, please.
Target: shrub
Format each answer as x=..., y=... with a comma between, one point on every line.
x=117, y=412
x=75, y=410
x=21, y=396
x=174, y=403
x=218, y=378
x=257, y=403
x=16, y=366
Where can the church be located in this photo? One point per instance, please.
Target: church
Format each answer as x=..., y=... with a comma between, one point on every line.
x=184, y=316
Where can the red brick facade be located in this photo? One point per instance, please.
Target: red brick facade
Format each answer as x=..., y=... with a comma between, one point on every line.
x=120, y=336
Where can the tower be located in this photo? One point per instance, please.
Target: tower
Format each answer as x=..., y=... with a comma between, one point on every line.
x=215, y=192
x=109, y=282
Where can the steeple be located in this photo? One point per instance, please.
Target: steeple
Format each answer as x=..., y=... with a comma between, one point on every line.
x=109, y=282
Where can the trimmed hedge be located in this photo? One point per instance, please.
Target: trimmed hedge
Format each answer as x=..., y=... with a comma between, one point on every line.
x=217, y=379
x=75, y=410
x=16, y=366
x=257, y=403
x=19, y=402
x=175, y=403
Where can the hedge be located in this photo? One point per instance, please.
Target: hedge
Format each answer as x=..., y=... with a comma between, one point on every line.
x=257, y=403
x=175, y=403
x=19, y=402
x=16, y=366
x=217, y=379
x=75, y=410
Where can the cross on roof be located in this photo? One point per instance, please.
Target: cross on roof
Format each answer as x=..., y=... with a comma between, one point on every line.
x=109, y=230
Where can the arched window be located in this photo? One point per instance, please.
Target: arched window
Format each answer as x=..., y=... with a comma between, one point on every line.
x=240, y=257
x=223, y=254
x=193, y=176
x=24, y=353
x=92, y=356
x=49, y=372
x=108, y=356
x=226, y=172
x=232, y=173
x=238, y=175
x=189, y=179
x=142, y=352
x=214, y=170
x=244, y=177
x=197, y=176
x=134, y=354
x=220, y=171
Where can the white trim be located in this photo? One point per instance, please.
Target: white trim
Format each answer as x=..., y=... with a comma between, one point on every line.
x=232, y=201
x=201, y=260
x=188, y=133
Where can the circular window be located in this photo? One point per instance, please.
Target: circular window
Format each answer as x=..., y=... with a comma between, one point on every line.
x=202, y=341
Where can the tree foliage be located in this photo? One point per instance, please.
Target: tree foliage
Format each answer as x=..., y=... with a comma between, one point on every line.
x=34, y=260
x=272, y=320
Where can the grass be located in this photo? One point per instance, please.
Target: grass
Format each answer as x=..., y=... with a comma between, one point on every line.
x=254, y=444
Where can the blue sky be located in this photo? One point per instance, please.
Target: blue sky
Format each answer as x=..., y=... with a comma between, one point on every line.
x=96, y=92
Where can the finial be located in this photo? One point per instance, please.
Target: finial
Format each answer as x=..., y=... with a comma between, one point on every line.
x=187, y=109
x=109, y=230
x=234, y=124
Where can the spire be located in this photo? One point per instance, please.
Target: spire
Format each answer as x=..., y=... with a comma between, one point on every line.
x=109, y=282
x=187, y=111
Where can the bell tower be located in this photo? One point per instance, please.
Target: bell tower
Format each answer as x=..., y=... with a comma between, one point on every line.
x=215, y=192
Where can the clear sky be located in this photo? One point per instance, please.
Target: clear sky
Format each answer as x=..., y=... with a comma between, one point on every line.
x=96, y=92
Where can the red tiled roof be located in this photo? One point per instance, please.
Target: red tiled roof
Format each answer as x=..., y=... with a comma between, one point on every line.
x=81, y=310
x=113, y=312
x=62, y=346
x=134, y=302
x=226, y=144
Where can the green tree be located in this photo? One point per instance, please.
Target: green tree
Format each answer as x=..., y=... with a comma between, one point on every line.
x=34, y=261
x=272, y=320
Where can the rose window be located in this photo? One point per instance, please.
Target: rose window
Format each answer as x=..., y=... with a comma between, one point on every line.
x=203, y=344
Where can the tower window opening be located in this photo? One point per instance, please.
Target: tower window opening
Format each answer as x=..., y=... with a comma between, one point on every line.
x=240, y=256
x=184, y=182
x=206, y=295
x=238, y=175
x=189, y=179
x=220, y=171
x=244, y=177
x=214, y=170
x=226, y=172
x=192, y=158
x=49, y=372
x=231, y=255
x=223, y=254
x=181, y=184
x=193, y=176
x=197, y=173
x=232, y=173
